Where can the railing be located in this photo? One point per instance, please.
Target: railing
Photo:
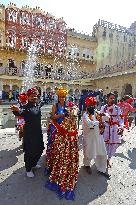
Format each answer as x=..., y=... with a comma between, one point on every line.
x=119, y=68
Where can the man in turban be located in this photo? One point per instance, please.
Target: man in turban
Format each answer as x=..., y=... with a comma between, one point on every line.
x=93, y=143
x=33, y=138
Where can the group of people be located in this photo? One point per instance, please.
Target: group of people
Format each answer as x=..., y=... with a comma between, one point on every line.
x=102, y=134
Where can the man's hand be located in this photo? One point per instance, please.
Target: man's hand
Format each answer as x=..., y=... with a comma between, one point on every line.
x=120, y=131
x=14, y=108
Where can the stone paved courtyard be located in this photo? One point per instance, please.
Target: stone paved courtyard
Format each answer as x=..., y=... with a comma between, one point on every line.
x=16, y=189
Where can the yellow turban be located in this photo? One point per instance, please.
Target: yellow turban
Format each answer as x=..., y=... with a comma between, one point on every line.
x=62, y=92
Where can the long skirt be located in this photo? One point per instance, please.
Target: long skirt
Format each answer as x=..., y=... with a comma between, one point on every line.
x=62, y=160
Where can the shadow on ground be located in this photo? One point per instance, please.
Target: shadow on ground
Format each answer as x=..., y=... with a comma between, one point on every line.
x=19, y=190
x=131, y=157
x=8, y=158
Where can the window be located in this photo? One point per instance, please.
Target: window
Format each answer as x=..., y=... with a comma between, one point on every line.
x=23, y=64
x=104, y=34
x=77, y=54
x=102, y=55
x=11, y=63
x=88, y=56
x=60, y=70
x=0, y=37
x=110, y=51
x=110, y=35
x=84, y=55
x=69, y=53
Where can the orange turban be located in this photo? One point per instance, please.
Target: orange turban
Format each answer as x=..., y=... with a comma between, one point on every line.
x=62, y=92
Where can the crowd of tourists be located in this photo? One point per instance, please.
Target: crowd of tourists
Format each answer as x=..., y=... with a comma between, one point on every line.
x=103, y=121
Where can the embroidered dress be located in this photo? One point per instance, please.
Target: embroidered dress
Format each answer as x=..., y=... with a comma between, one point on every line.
x=62, y=156
x=112, y=124
x=125, y=108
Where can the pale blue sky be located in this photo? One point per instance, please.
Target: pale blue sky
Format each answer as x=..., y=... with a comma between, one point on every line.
x=83, y=14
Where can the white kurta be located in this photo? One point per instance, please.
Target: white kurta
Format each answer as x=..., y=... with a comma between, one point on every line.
x=93, y=144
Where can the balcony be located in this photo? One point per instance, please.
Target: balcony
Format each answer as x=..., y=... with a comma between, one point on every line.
x=119, y=69
x=116, y=70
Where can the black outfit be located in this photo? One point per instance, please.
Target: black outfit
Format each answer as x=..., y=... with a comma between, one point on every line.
x=33, y=138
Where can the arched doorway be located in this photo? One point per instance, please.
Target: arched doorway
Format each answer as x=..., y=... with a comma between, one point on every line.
x=48, y=90
x=6, y=89
x=127, y=89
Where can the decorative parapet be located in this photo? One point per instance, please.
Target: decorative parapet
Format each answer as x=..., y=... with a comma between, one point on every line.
x=2, y=6
x=112, y=26
x=127, y=68
x=74, y=33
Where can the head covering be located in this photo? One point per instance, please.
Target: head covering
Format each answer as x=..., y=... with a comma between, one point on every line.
x=62, y=92
x=32, y=91
x=90, y=101
x=23, y=98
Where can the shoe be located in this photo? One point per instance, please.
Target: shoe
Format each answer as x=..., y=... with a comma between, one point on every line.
x=88, y=169
x=30, y=174
x=105, y=174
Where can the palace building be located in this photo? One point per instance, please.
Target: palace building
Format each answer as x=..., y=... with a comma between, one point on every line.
x=65, y=56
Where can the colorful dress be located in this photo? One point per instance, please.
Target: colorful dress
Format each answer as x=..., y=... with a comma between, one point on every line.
x=62, y=156
x=126, y=108
x=113, y=122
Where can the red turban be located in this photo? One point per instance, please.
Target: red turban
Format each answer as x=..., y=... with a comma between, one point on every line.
x=130, y=100
x=90, y=101
x=32, y=91
x=23, y=98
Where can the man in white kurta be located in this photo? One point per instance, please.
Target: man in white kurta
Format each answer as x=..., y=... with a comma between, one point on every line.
x=114, y=125
x=93, y=143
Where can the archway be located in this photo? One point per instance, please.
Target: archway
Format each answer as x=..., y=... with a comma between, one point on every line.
x=48, y=90
x=127, y=89
x=6, y=88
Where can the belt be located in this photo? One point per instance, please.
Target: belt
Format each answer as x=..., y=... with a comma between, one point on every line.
x=112, y=123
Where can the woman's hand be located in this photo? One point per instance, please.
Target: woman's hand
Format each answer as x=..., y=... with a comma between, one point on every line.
x=14, y=108
x=61, y=115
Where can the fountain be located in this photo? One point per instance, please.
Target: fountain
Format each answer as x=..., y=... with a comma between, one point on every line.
x=29, y=72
